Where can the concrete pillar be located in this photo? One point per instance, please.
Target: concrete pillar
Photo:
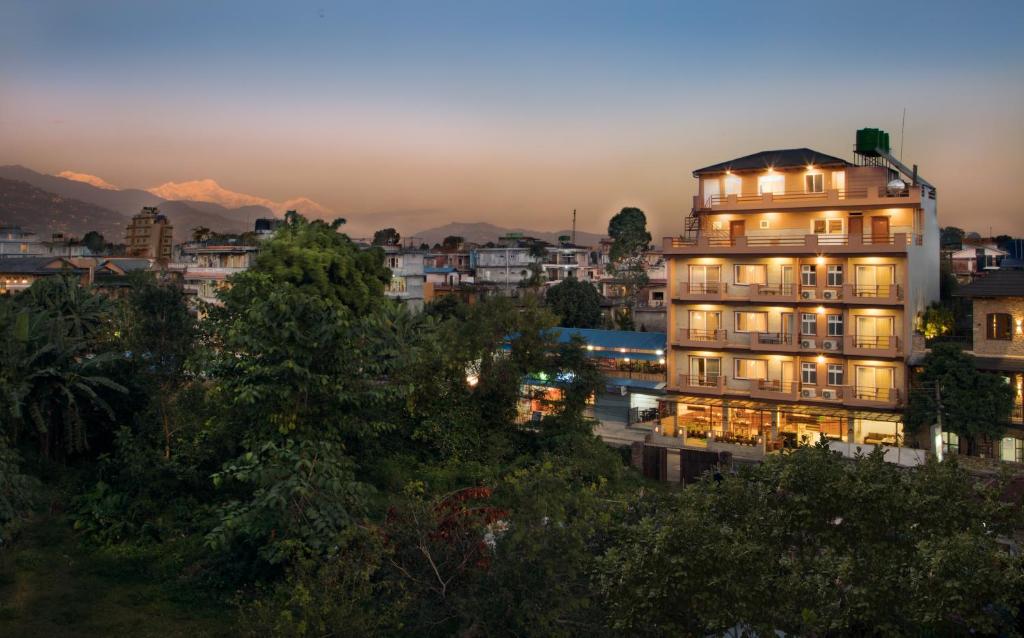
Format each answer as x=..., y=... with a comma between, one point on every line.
x=725, y=417
x=850, y=426
x=775, y=422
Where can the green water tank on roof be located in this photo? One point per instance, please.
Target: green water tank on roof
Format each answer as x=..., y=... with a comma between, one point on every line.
x=871, y=139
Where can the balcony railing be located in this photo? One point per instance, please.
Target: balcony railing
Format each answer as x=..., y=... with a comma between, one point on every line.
x=882, y=395
x=830, y=195
x=794, y=239
x=773, y=338
x=875, y=343
x=710, y=288
x=704, y=381
x=702, y=336
x=874, y=292
x=773, y=290
x=780, y=387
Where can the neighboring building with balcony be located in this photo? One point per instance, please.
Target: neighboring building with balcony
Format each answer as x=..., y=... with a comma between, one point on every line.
x=794, y=296
x=205, y=268
x=149, y=235
x=15, y=242
x=567, y=260
x=408, y=277
x=504, y=267
x=998, y=346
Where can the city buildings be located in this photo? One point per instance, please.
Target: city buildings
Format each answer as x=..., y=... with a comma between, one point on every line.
x=997, y=342
x=149, y=235
x=205, y=268
x=18, y=274
x=794, y=295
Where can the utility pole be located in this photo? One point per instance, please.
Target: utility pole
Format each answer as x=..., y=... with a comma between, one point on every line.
x=574, y=227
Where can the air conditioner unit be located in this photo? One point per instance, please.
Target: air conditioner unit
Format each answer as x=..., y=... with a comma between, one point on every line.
x=830, y=294
x=807, y=294
x=808, y=393
x=828, y=394
x=830, y=344
x=808, y=343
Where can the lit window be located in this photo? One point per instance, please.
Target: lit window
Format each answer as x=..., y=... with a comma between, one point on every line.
x=827, y=226
x=750, y=273
x=751, y=369
x=814, y=183
x=950, y=443
x=998, y=326
x=771, y=183
x=751, y=321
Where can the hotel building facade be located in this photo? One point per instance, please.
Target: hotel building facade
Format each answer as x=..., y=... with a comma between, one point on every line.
x=795, y=291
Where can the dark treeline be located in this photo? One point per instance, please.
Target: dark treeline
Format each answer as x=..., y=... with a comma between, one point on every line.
x=325, y=463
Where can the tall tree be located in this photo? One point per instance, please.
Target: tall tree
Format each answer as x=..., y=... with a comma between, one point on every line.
x=952, y=237
x=94, y=242
x=627, y=258
x=971, y=403
x=576, y=302
x=452, y=242
x=386, y=237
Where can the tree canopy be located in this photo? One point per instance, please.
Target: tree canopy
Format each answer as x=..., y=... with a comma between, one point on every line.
x=386, y=237
x=576, y=302
x=627, y=258
x=972, y=403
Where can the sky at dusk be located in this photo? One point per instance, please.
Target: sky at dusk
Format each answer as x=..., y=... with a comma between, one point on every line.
x=416, y=114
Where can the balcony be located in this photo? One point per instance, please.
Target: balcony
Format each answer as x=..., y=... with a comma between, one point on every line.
x=791, y=242
x=888, y=346
x=702, y=384
x=771, y=389
x=705, y=339
x=873, y=295
x=877, y=196
x=772, y=293
x=713, y=291
x=867, y=396
x=773, y=342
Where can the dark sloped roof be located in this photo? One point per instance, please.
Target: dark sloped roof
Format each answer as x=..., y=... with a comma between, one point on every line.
x=783, y=158
x=35, y=265
x=997, y=283
x=129, y=263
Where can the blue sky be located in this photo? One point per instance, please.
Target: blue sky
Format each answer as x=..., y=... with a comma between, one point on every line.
x=507, y=112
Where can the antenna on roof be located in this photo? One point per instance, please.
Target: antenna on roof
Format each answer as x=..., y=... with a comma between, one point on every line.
x=574, y=227
x=903, y=126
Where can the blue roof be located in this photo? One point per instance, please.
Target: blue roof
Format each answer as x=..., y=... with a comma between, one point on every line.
x=612, y=339
x=438, y=270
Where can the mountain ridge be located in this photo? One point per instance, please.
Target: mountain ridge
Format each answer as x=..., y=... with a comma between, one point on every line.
x=483, y=232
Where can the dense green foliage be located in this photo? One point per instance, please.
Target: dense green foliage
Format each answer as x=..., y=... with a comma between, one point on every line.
x=314, y=460
x=627, y=258
x=577, y=303
x=971, y=403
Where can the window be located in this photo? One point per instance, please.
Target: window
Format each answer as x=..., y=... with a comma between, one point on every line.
x=750, y=273
x=705, y=368
x=751, y=369
x=764, y=224
x=808, y=275
x=771, y=183
x=839, y=180
x=835, y=325
x=809, y=373
x=835, y=374
x=827, y=226
x=733, y=185
x=814, y=183
x=1012, y=450
x=998, y=326
x=751, y=321
x=393, y=262
x=808, y=324
x=950, y=443
x=834, y=276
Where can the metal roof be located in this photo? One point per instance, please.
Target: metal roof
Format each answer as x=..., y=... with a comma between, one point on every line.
x=782, y=158
x=996, y=283
x=615, y=339
x=37, y=265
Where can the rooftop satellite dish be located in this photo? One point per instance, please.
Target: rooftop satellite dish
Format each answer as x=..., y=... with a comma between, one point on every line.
x=896, y=186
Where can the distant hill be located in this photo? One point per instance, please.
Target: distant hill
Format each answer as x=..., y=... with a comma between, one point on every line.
x=126, y=202
x=483, y=232
x=183, y=215
x=22, y=204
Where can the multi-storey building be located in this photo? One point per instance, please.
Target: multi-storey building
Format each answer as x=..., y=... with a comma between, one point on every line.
x=997, y=342
x=794, y=295
x=504, y=267
x=15, y=242
x=149, y=235
x=407, y=276
x=205, y=268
